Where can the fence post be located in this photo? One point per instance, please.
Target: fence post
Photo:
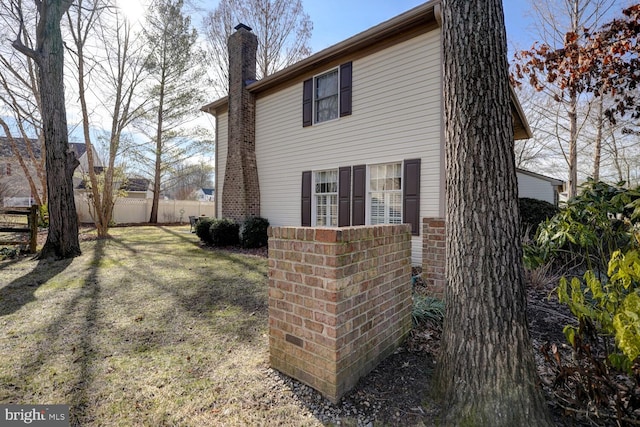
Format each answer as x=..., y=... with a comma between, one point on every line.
x=33, y=226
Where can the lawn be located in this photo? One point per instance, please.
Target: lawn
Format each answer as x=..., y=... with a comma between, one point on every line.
x=144, y=329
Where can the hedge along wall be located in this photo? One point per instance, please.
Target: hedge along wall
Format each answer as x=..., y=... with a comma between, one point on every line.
x=339, y=301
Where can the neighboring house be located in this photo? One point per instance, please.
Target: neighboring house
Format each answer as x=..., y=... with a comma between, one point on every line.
x=80, y=150
x=12, y=174
x=541, y=187
x=205, y=194
x=137, y=188
x=15, y=190
x=352, y=135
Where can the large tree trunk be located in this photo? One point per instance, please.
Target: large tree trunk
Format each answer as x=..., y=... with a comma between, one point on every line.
x=62, y=240
x=486, y=372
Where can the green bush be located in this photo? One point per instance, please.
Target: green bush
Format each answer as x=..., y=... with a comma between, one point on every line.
x=533, y=212
x=224, y=232
x=203, y=230
x=611, y=309
x=253, y=232
x=586, y=233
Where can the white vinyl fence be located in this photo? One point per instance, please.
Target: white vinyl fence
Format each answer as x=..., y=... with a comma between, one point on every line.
x=134, y=211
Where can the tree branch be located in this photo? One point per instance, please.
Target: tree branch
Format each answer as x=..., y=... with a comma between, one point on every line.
x=17, y=43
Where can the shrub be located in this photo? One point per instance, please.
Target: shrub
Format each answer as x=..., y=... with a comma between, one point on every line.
x=609, y=310
x=602, y=375
x=253, y=232
x=533, y=212
x=427, y=310
x=588, y=230
x=224, y=232
x=203, y=230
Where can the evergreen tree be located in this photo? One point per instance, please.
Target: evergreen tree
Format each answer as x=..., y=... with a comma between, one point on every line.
x=176, y=69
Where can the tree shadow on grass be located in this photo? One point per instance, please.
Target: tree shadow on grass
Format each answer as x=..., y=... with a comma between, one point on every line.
x=85, y=303
x=182, y=236
x=22, y=290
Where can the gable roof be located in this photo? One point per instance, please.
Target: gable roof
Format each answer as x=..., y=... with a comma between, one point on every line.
x=6, y=151
x=135, y=184
x=552, y=181
x=79, y=148
x=420, y=19
x=207, y=191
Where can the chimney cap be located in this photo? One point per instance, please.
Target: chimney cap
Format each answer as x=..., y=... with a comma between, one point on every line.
x=241, y=25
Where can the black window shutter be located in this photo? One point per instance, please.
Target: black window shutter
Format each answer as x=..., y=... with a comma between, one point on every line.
x=307, y=103
x=344, y=196
x=345, y=89
x=411, y=195
x=306, y=199
x=359, y=196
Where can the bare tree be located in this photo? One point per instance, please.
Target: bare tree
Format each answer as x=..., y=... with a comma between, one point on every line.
x=48, y=53
x=119, y=67
x=486, y=371
x=282, y=27
x=186, y=178
x=560, y=26
x=20, y=100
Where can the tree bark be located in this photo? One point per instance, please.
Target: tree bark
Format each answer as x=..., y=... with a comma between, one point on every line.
x=597, y=150
x=486, y=371
x=62, y=239
x=573, y=146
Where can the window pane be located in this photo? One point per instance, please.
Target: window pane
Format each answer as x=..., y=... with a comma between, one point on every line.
x=327, y=109
x=326, y=96
x=326, y=198
x=327, y=85
x=385, y=186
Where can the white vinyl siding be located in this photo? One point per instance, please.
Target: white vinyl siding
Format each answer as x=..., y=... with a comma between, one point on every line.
x=222, y=136
x=535, y=188
x=396, y=115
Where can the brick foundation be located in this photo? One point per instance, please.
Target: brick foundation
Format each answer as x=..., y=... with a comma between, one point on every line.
x=339, y=301
x=434, y=255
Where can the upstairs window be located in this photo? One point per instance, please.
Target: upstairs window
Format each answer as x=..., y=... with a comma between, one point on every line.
x=327, y=96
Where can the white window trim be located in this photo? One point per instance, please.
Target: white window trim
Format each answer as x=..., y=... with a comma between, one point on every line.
x=367, y=210
x=314, y=199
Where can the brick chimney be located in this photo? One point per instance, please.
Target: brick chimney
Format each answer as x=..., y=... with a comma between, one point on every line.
x=241, y=190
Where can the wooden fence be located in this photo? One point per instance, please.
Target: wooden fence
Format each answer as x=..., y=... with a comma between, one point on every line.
x=9, y=226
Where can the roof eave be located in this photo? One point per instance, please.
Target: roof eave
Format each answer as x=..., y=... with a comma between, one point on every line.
x=521, y=129
x=415, y=17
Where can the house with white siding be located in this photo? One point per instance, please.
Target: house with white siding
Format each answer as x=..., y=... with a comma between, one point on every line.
x=352, y=135
x=536, y=186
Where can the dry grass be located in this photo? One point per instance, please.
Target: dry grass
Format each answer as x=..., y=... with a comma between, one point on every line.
x=145, y=329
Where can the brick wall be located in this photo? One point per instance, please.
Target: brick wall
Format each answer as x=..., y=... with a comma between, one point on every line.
x=241, y=190
x=434, y=255
x=339, y=301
